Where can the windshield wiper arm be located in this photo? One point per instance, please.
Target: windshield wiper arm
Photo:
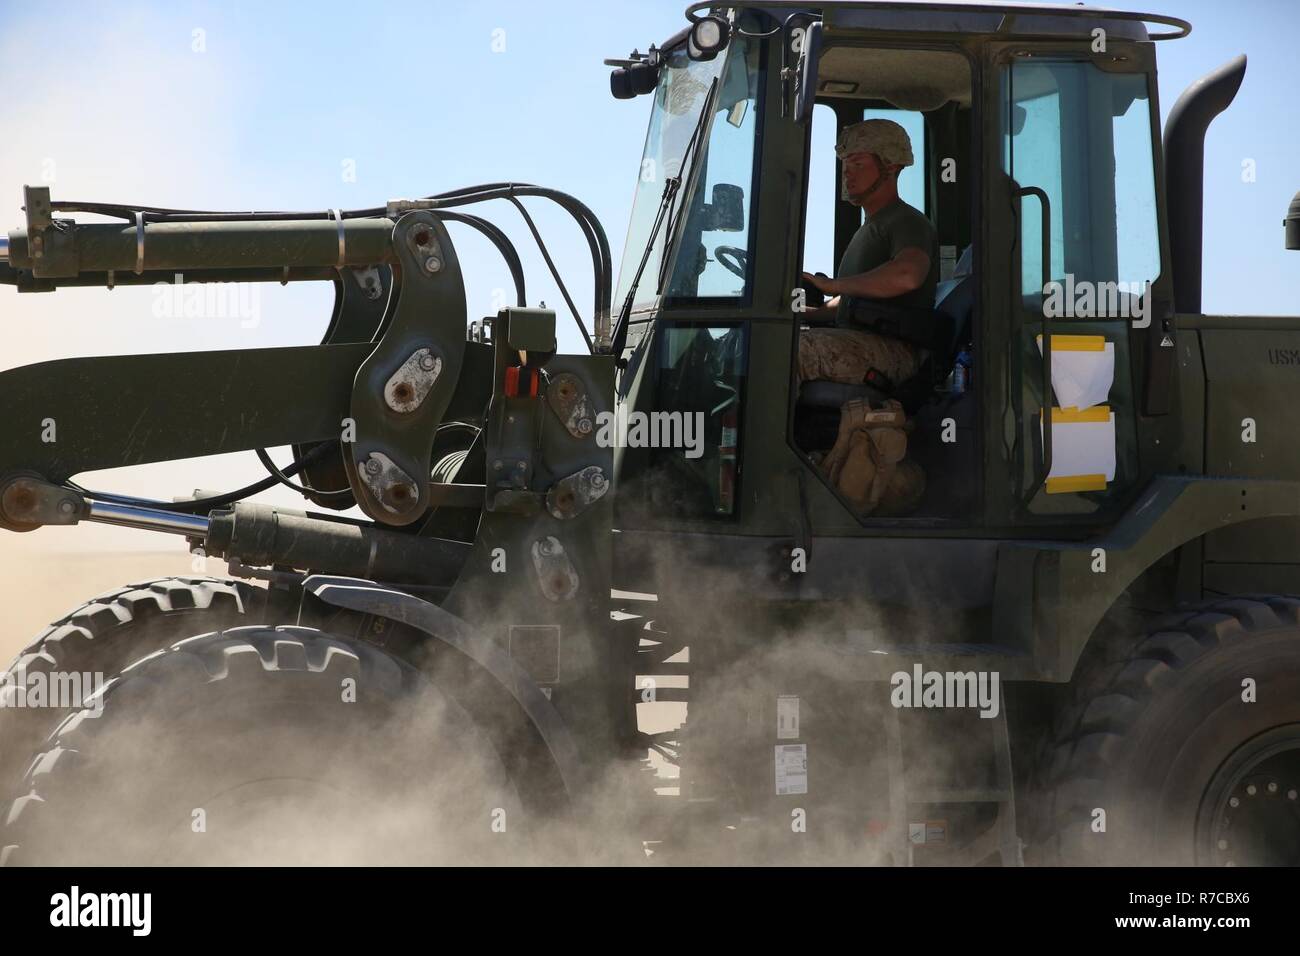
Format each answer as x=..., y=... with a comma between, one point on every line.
x=706, y=111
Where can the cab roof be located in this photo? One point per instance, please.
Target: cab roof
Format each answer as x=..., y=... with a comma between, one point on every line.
x=1009, y=20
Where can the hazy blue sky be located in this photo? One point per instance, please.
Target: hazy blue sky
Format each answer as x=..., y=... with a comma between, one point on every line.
x=1247, y=268
x=427, y=96
x=114, y=102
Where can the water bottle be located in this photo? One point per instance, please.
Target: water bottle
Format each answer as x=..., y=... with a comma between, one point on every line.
x=961, y=373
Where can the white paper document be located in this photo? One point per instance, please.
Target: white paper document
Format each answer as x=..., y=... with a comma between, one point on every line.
x=1083, y=446
x=787, y=717
x=791, y=769
x=1083, y=369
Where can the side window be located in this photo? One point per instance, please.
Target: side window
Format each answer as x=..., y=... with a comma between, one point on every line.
x=1081, y=135
x=1064, y=123
x=694, y=432
x=824, y=193
x=1135, y=185
x=1035, y=151
x=912, y=180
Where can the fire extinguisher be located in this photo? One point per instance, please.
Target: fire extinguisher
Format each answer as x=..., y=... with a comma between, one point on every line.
x=727, y=458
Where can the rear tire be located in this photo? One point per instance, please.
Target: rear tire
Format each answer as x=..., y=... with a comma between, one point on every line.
x=1164, y=742
x=266, y=746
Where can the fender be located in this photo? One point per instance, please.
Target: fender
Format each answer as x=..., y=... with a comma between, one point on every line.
x=1070, y=598
x=367, y=597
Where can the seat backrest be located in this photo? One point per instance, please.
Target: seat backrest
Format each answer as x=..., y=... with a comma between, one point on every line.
x=955, y=298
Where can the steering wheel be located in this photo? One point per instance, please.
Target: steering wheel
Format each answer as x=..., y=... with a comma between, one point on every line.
x=733, y=259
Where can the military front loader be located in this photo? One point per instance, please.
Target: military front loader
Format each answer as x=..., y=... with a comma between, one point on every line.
x=610, y=606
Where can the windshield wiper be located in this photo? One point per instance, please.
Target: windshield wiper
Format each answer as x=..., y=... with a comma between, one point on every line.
x=671, y=185
x=669, y=236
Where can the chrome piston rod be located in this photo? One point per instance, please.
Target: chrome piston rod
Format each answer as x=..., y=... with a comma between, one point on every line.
x=148, y=519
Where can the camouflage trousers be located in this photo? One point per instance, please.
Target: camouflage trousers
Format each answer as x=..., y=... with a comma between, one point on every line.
x=846, y=355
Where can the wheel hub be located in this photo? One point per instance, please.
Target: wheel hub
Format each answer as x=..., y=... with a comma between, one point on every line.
x=1250, y=814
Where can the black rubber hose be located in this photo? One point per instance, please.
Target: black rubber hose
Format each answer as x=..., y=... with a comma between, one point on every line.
x=284, y=479
x=597, y=241
x=202, y=504
x=555, y=273
x=507, y=249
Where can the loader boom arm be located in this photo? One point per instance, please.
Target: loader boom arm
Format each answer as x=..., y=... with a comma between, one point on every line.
x=365, y=407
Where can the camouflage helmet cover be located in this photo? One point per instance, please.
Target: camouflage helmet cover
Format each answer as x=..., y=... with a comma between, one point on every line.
x=885, y=138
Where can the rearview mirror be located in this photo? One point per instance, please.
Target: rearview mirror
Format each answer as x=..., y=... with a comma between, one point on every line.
x=635, y=79
x=810, y=53
x=726, y=213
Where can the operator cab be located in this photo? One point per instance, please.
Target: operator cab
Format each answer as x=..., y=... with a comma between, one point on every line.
x=927, y=91
x=1034, y=132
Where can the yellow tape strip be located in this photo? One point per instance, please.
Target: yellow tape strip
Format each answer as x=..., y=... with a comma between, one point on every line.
x=1072, y=483
x=1077, y=416
x=1076, y=343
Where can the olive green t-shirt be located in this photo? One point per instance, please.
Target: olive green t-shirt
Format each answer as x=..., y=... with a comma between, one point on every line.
x=892, y=229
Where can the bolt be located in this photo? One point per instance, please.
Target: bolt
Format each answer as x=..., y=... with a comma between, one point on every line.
x=496, y=465
x=1234, y=802
x=433, y=263
x=522, y=466
x=1291, y=794
x=427, y=362
x=584, y=426
x=1251, y=790
x=67, y=507
x=373, y=467
x=1272, y=786
x=597, y=481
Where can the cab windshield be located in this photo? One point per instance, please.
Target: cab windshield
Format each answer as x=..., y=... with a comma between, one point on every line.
x=717, y=190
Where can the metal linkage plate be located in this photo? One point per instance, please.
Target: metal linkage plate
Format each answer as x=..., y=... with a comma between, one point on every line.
x=402, y=390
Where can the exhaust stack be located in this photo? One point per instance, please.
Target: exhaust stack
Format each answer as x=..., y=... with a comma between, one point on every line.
x=1185, y=173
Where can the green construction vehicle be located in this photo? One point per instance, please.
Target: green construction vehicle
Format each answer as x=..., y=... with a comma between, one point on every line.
x=1082, y=645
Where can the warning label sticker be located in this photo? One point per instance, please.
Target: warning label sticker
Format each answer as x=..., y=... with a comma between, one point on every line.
x=787, y=718
x=928, y=833
x=791, y=769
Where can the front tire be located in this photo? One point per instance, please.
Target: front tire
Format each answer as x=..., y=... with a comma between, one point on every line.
x=103, y=636
x=266, y=746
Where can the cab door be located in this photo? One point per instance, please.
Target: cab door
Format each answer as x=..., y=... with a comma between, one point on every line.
x=1075, y=240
